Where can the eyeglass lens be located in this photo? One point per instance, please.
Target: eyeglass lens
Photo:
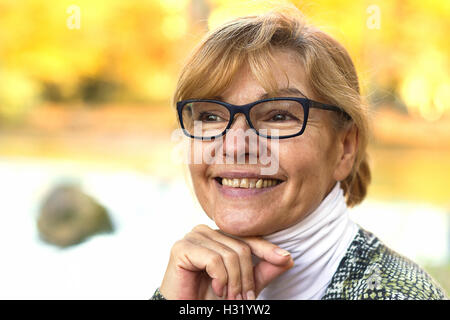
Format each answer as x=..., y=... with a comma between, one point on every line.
x=271, y=118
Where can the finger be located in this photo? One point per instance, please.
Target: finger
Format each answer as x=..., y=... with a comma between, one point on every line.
x=244, y=253
x=229, y=257
x=274, y=261
x=267, y=251
x=192, y=257
x=265, y=272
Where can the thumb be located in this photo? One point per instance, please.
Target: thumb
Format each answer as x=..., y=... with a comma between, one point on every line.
x=265, y=272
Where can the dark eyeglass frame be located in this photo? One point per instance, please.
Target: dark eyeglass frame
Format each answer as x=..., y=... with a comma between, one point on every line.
x=245, y=109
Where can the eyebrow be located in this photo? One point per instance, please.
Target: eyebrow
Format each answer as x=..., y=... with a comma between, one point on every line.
x=282, y=91
x=290, y=91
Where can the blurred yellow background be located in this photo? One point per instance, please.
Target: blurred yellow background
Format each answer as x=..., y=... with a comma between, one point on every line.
x=89, y=84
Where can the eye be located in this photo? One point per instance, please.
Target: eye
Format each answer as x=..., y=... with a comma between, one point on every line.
x=281, y=116
x=209, y=117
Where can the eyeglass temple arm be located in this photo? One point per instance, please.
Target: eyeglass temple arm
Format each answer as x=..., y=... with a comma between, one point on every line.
x=324, y=106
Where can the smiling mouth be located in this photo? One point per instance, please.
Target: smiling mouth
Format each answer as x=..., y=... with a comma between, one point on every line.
x=248, y=183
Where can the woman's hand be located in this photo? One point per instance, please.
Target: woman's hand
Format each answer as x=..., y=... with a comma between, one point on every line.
x=207, y=264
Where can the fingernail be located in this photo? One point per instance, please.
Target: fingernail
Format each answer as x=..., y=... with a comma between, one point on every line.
x=282, y=252
x=239, y=297
x=251, y=295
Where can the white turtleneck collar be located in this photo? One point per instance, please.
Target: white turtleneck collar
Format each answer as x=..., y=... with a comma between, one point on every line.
x=317, y=244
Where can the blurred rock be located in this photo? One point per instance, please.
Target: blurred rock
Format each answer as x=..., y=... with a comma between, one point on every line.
x=68, y=216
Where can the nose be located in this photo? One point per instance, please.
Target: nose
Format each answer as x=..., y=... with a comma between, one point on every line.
x=240, y=141
x=239, y=122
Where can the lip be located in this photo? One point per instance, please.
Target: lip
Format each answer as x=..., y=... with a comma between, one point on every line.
x=231, y=192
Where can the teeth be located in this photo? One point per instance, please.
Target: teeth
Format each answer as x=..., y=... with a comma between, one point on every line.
x=244, y=183
x=249, y=183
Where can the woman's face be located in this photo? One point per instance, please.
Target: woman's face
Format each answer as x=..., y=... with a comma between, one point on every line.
x=306, y=170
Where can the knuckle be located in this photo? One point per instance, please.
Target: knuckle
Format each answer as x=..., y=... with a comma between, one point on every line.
x=200, y=228
x=215, y=260
x=231, y=256
x=177, y=247
x=243, y=250
x=191, y=236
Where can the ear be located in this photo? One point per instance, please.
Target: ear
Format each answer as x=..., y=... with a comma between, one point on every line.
x=347, y=148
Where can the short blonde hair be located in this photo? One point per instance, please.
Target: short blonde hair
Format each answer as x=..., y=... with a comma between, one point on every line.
x=251, y=40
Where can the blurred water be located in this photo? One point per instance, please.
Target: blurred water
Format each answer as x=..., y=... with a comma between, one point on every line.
x=149, y=215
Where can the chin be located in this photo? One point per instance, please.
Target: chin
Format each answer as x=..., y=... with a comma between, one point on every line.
x=241, y=225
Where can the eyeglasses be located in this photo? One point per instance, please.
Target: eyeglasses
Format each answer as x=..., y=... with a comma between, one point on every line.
x=278, y=118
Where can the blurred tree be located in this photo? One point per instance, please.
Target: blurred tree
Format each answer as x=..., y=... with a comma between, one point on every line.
x=131, y=51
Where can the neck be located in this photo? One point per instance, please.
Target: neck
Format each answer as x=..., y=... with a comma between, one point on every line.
x=317, y=244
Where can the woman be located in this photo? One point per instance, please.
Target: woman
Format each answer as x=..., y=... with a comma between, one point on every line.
x=272, y=85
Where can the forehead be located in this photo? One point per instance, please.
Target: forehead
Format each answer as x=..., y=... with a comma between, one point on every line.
x=286, y=72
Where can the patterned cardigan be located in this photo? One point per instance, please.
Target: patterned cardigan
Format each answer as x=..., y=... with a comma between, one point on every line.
x=372, y=271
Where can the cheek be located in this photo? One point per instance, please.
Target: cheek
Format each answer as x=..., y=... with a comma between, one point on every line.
x=200, y=184
x=197, y=167
x=302, y=158
x=307, y=164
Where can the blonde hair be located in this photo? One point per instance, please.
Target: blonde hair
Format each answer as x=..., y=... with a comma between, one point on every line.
x=251, y=40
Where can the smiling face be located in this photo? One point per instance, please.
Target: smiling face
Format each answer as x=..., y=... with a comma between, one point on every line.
x=308, y=165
